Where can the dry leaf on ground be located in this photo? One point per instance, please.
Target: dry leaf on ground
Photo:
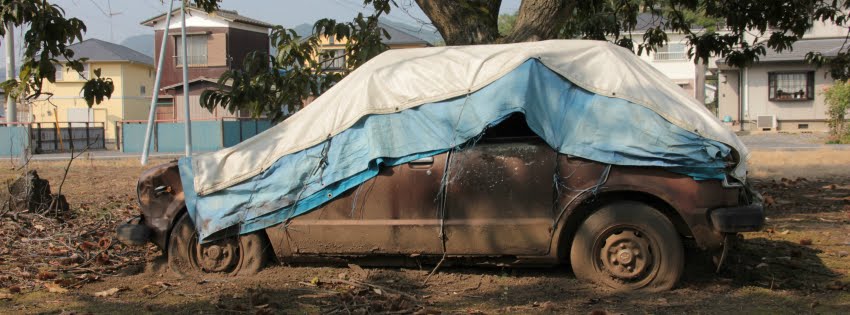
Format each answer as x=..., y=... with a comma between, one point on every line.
x=55, y=288
x=106, y=293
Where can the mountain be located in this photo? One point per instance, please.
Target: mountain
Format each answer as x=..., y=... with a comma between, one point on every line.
x=303, y=29
x=141, y=43
x=426, y=32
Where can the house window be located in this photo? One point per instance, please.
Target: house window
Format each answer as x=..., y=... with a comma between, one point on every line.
x=84, y=75
x=791, y=86
x=142, y=90
x=333, y=59
x=60, y=72
x=802, y=126
x=671, y=52
x=196, y=54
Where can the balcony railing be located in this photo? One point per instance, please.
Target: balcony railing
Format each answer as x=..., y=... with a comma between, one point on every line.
x=200, y=60
x=670, y=56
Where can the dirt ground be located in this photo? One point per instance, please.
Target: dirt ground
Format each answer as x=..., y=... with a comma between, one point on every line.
x=798, y=264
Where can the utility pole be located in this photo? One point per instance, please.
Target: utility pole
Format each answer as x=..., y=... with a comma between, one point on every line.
x=155, y=99
x=188, y=122
x=11, y=105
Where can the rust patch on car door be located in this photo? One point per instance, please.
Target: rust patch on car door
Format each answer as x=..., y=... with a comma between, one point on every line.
x=393, y=213
x=500, y=199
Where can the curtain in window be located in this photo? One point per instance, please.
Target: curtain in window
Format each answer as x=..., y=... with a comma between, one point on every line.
x=791, y=86
x=197, y=52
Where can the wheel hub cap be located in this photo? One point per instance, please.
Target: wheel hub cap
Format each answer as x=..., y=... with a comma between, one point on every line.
x=218, y=256
x=625, y=255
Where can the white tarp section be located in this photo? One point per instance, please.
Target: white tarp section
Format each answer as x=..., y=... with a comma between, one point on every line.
x=400, y=79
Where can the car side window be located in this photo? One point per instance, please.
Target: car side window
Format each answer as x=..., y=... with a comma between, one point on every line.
x=513, y=127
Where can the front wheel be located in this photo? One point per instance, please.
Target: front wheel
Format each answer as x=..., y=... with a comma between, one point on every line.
x=237, y=255
x=628, y=246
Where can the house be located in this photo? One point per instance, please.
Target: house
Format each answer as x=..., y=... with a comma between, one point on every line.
x=131, y=72
x=333, y=50
x=217, y=42
x=781, y=92
x=672, y=59
x=398, y=39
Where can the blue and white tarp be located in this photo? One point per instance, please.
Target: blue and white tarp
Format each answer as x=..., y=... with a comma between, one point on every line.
x=269, y=188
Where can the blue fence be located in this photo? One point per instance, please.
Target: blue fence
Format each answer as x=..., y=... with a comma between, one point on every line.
x=209, y=135
x=13, y=139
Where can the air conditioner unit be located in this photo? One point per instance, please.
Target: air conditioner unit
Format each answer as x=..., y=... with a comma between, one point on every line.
x=766, y=123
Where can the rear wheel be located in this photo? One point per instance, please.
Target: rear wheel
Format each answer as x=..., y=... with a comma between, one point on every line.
x=628, y=246
x=238, y=255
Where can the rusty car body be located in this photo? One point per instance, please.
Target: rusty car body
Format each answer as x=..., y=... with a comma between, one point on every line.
x=561, y=151
x=512, y=200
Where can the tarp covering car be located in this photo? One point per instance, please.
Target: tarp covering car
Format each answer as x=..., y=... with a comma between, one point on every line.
x=590, y=99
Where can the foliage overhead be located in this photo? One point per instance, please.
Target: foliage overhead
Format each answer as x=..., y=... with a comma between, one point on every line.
x=735, y=31
x=278, y=85
x=506, y=23
x=45, y=42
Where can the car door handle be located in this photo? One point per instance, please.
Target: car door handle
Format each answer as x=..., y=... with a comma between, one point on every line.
x=423, y=161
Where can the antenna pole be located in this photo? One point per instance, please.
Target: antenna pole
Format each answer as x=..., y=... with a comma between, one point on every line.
x=188, y=123
x=155, y=97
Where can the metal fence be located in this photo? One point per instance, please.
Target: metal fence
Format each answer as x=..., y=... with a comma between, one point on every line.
x=51, y=137
x=13, y=138
x=671, y=56
x=207, y=135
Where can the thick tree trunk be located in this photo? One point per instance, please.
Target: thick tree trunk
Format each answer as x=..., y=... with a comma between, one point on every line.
x=469, y=22
x=464, y=22
x=539, y=20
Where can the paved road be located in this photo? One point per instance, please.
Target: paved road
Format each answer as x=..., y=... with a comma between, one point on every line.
x=790, y=142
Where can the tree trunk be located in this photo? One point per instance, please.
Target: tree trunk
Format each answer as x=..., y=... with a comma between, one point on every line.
x=539, y=20
x=464, y=22
x=469, y=22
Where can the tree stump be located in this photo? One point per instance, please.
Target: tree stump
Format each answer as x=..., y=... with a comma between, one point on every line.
x=31, y=193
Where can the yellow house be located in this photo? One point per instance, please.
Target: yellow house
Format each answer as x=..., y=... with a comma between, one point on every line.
x=131, y=72
x=335, y=49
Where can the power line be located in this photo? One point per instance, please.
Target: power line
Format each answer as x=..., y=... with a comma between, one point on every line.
x=109, y=14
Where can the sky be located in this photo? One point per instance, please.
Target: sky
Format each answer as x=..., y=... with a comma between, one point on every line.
x=127, y=14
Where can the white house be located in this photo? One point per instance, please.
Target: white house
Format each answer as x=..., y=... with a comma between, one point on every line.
x=672, y=59
x=781, y=92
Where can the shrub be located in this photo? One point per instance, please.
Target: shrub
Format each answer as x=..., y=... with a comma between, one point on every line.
x=838, y=102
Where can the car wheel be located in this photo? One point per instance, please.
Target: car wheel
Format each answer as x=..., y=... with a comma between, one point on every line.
x=628, y=246
x=238, y=255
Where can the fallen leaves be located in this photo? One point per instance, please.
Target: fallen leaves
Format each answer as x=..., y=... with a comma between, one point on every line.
x=806, y=242
x=837, y=285
x=45, y=275
x=156, y=288
x=361, y=297
x=55, y=288
x=110, y=292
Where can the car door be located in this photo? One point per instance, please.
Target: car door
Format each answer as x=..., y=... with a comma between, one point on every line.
x=392, y=213
x=500, y=198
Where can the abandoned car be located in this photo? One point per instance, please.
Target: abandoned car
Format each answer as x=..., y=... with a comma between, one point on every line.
x=556, y=152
